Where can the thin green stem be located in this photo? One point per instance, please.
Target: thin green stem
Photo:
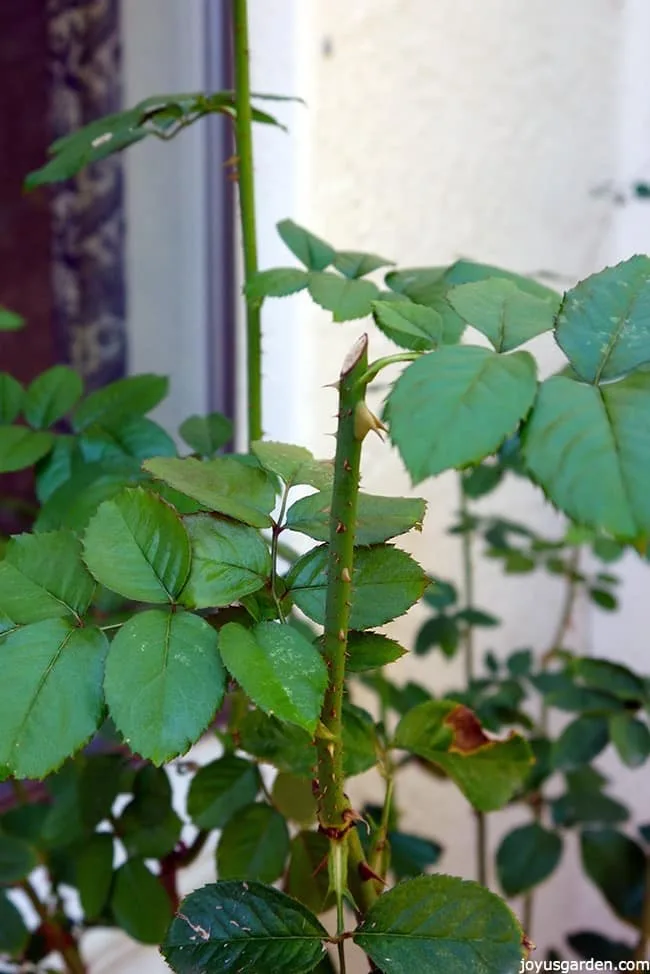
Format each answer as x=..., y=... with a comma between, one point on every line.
x=338, y=874
x=244, y=145
x=340, y=947
x=563, y=623
x=379, y=860
x=469, y=661
x=481, y=848
x=277, y=528
x=66, y=946
x=375, y=368
x=468, y=584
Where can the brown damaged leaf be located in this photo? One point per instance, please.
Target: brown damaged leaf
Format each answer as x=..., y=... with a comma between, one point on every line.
x=468, y=733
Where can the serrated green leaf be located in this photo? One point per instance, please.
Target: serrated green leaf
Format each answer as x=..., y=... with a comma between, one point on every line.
x=21, y=447
x=360, y=746
x=488, y=772
x=137, y=545
x=617, y=866
x=631, y=738
x=206, y=434
x=10, y=320
x=385, y=583
x=442, y=631
x=419, y=283
x=14, y=933
x=481, y=480
x=55, y=469
x=307, y=879
x=378, y=518
x=441, y=923
x=51, y=395
x=72, y=504
x=139, y=903
x=42, y=577
x=121, y=400
x=12, y=396
x=278, y=668
x=294, y=464
x=587, y=808
x=603, y=599
x=221, y=789
x=94, y=873
x=576, y=427
x=50, y=696
x=457, y=405
x=285, y=746
x=410, y=855
x=346, y=298
x=354, y=263
x=577, y=699
x=148, y=826
x=17, y=859
x=604, y=323
x=100, y=779
x=501, y=311
x=440, y=594
x=526, y=857
x=411, y=325
x=158, y=661
x=161, y=115
x=370, y=651
x=250, y=925
x=253, y=845
x=580, y=742
x=310, y=250
x=293, y=796
x=520, y=662
x=225, y=485
x=139, y=438
x=476, y=617
x=614, y=678
x=278, y=282
x=229, y=561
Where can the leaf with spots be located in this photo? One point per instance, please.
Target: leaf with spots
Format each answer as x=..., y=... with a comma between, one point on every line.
x=280, y=670
x=243, y=926
x=164, y=682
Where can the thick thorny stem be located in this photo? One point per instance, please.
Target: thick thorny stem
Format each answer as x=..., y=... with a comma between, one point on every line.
x=244, y=144
x=335, y=815
x=333, y=804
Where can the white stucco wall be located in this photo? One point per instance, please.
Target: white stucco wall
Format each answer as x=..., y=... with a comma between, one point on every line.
x=447, y=129
x=432, y=130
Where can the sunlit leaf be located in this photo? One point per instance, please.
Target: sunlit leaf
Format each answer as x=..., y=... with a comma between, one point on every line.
x=164, y=682
x=604, y=323
x=278, y=668
x=457, y=405
x=137, y=545
x=51, y=696
x=385, y=583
